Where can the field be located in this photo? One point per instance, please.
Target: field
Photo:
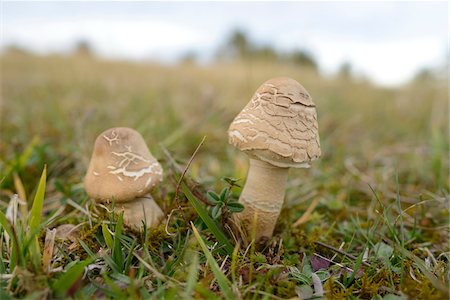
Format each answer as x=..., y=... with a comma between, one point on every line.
x=374, y=208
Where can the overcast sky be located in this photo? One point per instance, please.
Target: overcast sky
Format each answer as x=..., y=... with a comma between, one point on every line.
x=387, y=41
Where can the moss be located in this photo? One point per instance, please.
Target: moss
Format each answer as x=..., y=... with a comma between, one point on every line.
x=421, y=289
x=87, y=236
x=336, y=291
x=285, y=289
x=368, y=287
x=155, y=237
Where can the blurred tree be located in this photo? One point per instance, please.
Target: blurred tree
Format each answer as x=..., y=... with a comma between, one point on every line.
x=424, y=75
x=303, y=58
x=266, y=53
x=236, y=46
x=189, y=57
x=83, y=48
x=345, y=70
x=16, y=49
x=240, y=44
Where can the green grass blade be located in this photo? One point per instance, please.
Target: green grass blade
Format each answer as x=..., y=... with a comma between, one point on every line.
x=192, y=277
x=402, y=228
x=107, y=236
x=86, y=248
x=21, y=161
x=206, y=292
x=358, y=264
x=25, y=156
x=203, y=213
x=104, y=256
x=129, y=258
x=117, y=291
x=178, y=252
x=15, y=257
x=222, y=280
x=35, y=219
x=68, y=279
x=117, y=254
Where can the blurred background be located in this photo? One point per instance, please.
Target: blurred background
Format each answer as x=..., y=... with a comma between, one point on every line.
x=178, y=71
x=387, y=42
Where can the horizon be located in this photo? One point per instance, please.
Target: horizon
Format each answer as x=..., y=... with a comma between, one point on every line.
x=385, y=42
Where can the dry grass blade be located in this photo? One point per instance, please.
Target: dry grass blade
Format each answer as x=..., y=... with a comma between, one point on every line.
x=22, y=197
x=341, y=252
x=305, y=217
x=177, y=190
x=48, y=250
x=155, y=272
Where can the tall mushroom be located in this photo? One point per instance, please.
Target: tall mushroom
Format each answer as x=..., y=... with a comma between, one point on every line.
x=278, y=130
x=123, y=170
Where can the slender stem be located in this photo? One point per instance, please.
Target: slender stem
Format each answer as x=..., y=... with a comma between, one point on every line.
x=263, y=196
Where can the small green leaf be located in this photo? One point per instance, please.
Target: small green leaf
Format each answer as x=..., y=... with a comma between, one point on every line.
x=212, y=197
x=210, y=223
x=216, y=212
x=305, y=291
x=224, y=194
x=383, y=251
x=235, y=206
x=301, y=277
x=306, y=268
x=231, y=181
x=323, y=275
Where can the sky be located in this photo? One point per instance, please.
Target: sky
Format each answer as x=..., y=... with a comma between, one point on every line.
x=388, y=42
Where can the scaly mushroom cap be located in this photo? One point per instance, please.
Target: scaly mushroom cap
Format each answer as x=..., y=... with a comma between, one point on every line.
x=278, y=125
x=121, y=167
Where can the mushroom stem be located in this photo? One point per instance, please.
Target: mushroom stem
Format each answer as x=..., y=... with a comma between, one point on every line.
x=263, y=195
x=140, y=209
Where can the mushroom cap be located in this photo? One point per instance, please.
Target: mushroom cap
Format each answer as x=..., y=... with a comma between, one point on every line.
x=278, y=125
x=121, y=168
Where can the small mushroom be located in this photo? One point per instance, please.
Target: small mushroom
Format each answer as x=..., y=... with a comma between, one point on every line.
x=123, y=170
x=278, y=130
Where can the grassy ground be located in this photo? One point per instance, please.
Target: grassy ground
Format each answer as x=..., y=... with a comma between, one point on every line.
x=375, y=207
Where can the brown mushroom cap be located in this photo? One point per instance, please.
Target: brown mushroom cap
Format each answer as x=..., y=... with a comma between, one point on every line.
x=278, y=125
x=121, y=168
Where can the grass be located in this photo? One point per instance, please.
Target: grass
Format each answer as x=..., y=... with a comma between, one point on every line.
x=377, y=221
